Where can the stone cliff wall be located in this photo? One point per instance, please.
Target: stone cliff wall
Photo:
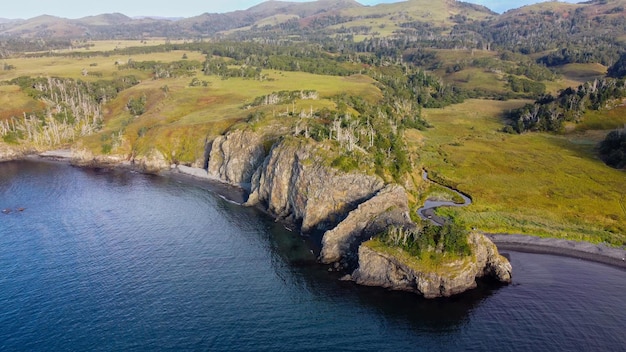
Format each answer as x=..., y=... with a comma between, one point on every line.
x=9, y=153
x=388, y=207
x=233, y=158
x=294, y=183
x=381, y=269
x=153, y=162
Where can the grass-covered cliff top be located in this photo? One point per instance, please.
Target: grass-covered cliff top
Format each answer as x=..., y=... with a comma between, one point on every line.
x=447, y=265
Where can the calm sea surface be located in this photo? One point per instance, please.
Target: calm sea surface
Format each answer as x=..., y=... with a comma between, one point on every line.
x=116, y=261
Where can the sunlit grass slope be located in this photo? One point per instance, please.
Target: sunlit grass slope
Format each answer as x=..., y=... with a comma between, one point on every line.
x=180, y=118
x=96, y=67
x=534, y=183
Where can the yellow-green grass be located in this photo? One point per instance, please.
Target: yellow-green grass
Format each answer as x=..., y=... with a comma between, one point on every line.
x=275, y=20
x=603, y=120
x=478, y=78
x=451, y=56
x=110, y=45
x=232, y=94
x=208, y=111
x=583, y=72
x=437, y=13
x=383, y=26
x=14, y=102
x=535, y=183
x=445, y=265
x=98, y=67
x=554, y=6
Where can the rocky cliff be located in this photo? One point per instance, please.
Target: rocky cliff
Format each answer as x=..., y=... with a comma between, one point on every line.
x=10, y=153
x=382, y=269
x=388, y=207
x=295, y=183
x=233, y=158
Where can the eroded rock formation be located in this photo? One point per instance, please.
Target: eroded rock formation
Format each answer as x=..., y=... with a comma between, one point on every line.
x=387, y=208
x=382, y=269
x=234, y=157
x=295, y=183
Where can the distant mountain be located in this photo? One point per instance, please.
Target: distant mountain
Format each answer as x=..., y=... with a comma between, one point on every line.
x=7, y=20
x=214, y=23
x=44, y=26
x=112, y=19
x=118, y=26
x=158, y=18
x=593, y=29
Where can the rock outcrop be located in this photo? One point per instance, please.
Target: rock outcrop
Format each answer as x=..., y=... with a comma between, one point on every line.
x=382, y=269
x=8, y=153
x=295, y=183
x=233, y=158
x=153, y=162
x=388, y=207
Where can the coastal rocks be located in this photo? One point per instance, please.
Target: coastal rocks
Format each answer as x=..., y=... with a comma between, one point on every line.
x=233, y=158
x=153, y=162
x=382, y=269
x=7, y=153
x=86, y=158
x=388, y=207
x=295, y=183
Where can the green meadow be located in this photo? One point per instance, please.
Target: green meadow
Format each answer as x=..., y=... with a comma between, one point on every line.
x=534, y=183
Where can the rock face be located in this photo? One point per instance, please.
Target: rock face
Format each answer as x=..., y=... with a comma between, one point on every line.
x=294, y=183
x=382, y=269
x=234, y=157
x=84, y=157
x=7, y=153
x=388, y=207
x=153, y=162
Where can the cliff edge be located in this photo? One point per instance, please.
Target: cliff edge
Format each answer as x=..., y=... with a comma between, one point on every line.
x=394, y=271
x=294, y=183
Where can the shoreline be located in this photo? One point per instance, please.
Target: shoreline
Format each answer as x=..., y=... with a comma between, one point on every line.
x=598, y=253
x=603, y=254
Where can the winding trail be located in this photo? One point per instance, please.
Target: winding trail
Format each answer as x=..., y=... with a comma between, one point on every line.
x=427, y=212
x=600, y=253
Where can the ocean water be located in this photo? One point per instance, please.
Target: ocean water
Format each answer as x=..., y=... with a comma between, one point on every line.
x=108, y=260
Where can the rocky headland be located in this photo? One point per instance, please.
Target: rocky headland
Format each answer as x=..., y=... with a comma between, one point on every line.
x=291, y=179
x=380, y=268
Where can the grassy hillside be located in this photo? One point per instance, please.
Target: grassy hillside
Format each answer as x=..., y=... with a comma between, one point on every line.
x=538, y=184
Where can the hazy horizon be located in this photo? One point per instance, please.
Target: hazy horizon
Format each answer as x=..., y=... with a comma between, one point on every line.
x=73, y=9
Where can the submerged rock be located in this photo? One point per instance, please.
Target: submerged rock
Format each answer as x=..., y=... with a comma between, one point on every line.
x=385, y=270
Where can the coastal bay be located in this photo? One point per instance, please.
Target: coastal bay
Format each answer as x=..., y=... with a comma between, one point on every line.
x=238, y=280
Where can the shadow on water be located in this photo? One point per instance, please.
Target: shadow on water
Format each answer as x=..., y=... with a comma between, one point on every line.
x=294, y=257
x=435, y=315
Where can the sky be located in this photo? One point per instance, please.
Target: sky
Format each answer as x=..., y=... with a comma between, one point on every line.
x=172, y=8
